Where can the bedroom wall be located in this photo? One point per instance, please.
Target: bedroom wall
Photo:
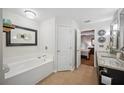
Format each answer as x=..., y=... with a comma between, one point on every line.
x=86, y=41
x=17, y=53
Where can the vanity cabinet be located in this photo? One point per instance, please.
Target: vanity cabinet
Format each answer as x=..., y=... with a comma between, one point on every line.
x=117, y=76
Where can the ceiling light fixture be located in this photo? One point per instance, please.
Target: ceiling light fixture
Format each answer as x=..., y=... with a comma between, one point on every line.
x=87, y=21
x=30, y=14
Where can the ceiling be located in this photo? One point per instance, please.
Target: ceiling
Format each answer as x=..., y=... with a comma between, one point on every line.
x=78, y=14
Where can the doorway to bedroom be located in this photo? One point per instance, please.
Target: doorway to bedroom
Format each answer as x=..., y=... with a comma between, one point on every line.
x=87, y=47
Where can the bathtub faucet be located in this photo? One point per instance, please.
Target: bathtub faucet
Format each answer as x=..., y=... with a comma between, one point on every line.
x=39, y=57
x=121, y=54
x=43, y=55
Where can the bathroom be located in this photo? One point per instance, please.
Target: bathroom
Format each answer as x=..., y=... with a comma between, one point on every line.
x=34, y=52
x=42, y=42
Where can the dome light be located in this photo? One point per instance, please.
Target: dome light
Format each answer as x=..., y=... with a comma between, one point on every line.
x=30, y=14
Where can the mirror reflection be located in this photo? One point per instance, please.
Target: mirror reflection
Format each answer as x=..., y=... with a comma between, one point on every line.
x=117, y=32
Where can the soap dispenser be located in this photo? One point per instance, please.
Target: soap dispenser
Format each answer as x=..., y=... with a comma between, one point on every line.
x=122, y=53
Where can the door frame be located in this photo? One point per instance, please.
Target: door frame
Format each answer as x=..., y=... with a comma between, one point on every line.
x=94, y=61
x=76, y=48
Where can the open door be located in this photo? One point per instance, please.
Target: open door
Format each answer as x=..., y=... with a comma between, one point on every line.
x=77, y=48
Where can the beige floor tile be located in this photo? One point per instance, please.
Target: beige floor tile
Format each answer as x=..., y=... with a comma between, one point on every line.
x=84, y=75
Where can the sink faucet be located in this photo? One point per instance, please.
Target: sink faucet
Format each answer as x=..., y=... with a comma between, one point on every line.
x=121, y=51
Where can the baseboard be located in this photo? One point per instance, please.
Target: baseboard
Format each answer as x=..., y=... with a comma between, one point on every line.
x=55, y=71
x=73, y=69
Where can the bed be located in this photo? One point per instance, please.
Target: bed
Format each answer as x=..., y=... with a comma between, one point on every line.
x=85, y=52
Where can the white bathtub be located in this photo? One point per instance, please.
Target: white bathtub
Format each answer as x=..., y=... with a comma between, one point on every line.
x=29, y=71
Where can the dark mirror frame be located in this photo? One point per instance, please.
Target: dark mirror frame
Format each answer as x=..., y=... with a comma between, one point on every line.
x=8, y=38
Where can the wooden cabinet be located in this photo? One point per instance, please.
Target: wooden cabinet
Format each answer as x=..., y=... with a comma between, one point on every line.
x=116, y=75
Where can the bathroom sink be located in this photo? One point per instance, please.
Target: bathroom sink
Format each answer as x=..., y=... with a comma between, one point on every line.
x=110, y=61
x=108, y=56
x=117, y=64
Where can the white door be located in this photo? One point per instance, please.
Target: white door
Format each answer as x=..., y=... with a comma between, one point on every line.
x=65, y=47
x=78, y=48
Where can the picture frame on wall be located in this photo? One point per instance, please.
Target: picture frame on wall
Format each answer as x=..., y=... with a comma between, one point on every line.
x=21, y=36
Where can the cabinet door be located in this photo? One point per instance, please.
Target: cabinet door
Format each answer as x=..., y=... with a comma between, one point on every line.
x=116, y=75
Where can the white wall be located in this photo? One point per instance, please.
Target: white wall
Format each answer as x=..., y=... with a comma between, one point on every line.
x=86, y=41
x=47, y=34
x=78, y=43
x=1, y=51
x=19, y=52
x=61, y=20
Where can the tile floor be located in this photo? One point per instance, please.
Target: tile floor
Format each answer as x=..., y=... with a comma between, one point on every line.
x=84, y=75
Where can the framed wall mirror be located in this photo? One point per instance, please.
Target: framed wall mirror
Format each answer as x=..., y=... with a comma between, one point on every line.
x=122, y=28
x=117, y=31
x=21, y=36
x=114, y=36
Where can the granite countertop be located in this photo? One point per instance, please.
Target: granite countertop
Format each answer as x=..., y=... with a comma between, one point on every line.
x=110, y=61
